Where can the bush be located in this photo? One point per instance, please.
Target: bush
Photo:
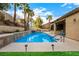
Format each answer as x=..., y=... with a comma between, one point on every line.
x=17, y=30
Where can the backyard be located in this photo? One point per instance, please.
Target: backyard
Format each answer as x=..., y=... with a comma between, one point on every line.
x=31, y=31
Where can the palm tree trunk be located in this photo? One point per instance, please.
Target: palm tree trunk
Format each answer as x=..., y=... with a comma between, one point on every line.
x=49, y=24
x=31, y=24
x=28, y=21
x=14, y=12
x=25, y=28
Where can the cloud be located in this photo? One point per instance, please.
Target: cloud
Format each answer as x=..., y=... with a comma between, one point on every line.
x=10, y=12
x=70, y=5
x=46, y=21
x=56, y=17
x=48, y=13
x=39, y=11
x=76, y=4
x=19, y=13
x=43, y=13
x=65, y=4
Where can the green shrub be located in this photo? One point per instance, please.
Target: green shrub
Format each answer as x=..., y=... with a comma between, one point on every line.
x=17, y=30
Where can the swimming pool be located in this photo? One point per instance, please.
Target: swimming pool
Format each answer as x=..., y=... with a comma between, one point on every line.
x=37, y=37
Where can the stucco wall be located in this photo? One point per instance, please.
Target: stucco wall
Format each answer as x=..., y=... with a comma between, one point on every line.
x=1, y=23
x=6, y=39
x=8, y=17
x=46, y=26
x=72, y=26
x=10, y=28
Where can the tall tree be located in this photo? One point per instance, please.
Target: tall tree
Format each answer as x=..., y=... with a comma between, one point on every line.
x=15, y=7
x=25, y=8
x=4, y=6
x=38, y=22
x=15, y=12
x=34, y=23
x=31, y=14
x=49, y=18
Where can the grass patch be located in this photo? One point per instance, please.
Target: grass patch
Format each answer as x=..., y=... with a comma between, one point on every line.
x=39, y=53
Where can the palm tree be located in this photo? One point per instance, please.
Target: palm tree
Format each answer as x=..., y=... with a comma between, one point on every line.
x=31, y=14
x=27, y=14
x=26, y=9
x=15, y=7
x=4, y=6
x=31, y=22
x=49, y=17
x=34, y=23
x=14, y=12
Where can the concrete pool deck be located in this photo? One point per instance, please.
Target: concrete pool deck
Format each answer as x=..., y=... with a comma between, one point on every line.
x=68, y=45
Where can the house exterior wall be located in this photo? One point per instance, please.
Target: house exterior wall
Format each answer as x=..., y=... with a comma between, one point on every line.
x=46, y=26
x=8, y=17
x=72, y=26
x=1, y=18
x=1, y=23
x=8, y=26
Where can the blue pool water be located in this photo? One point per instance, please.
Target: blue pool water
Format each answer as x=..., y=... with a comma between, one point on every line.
x=36, y=37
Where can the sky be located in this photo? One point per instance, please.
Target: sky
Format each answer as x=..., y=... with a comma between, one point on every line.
x=44, y=9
